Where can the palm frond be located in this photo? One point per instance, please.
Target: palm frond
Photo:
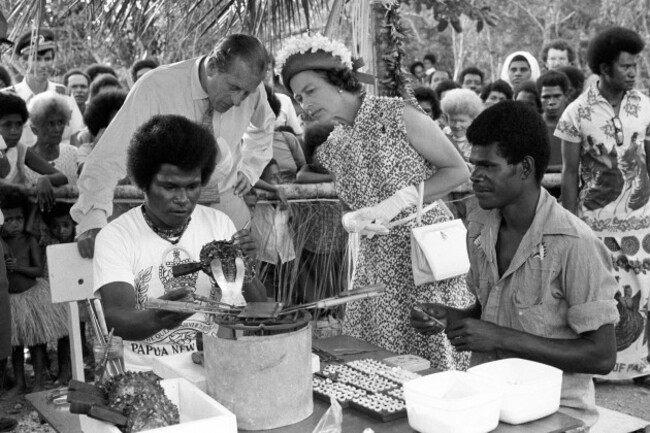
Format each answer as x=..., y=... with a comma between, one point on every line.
x=123, y=30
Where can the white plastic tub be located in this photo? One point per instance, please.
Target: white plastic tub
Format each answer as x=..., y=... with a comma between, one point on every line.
x=452, y=402
x=531, y=390
x=199, y=413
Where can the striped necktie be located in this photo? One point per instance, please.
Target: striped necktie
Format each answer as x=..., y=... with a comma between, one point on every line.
x=207, y=117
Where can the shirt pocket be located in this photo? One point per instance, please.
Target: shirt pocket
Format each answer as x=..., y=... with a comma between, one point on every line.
x=534, y=285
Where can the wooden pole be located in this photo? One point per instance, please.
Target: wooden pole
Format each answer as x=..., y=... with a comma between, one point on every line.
x=332, y=26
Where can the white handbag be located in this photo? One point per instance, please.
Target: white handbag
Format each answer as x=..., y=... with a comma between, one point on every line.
x=438, y=251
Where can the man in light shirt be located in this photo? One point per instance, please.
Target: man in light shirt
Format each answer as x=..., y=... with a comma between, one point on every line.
x=37, y=79
x=224, y=92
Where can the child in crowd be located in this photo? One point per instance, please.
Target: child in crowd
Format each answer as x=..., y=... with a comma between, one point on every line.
x=287, y=151
x=460, y=107
x=13, y=115
x=99, y=113
x=6, y=424
x=493, y=93
x=59, y=228
x=527, y=92
x=35, y=320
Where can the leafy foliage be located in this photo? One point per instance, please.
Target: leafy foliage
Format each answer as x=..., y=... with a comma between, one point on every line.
x=449, y=12
x=118, y=32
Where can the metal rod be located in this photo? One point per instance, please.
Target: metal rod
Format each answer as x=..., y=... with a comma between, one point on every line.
x=95, y=322
x=100, y=316
x=109, y=340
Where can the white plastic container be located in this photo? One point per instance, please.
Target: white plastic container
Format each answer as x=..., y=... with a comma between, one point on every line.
x=199, y=413
x=531, y=390
x=180, y=365
x=452, y=402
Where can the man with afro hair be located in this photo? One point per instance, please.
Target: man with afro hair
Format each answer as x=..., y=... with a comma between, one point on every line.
x=170, y=159
x=606, y=160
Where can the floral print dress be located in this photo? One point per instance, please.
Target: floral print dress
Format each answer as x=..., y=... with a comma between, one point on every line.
x=371, y=160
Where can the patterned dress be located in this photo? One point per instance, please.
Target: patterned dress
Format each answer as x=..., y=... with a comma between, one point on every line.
x=370, y=161
x=614, y=200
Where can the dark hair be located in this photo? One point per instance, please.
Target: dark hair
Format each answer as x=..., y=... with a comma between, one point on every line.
x=415, y=65
x=13, y=104
x=72, y=72
x=285, y=128
x=497, y=86
x=142, y=64
x=429, y=95
x=170, y=139
x=519, y=58
x=606, y=46
x=13, y=198
x=246, y=48
x=430, y=57
x=443, y=86
x=552, y=79
x=5, y=76
x=575, y=75
x=273, y=100
x=98, y=111
x=315, y=135
x=518, y=132
x=58, y=210
x=529, y=87
x=560, y=45
x=442, y=70
x=102, y=81
x=577, y=79
x=344, y=79
x=96, y=69
x=470, y=70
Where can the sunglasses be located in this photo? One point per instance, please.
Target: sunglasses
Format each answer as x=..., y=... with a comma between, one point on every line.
x=618, y=130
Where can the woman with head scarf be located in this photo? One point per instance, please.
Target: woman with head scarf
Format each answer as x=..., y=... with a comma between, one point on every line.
x=518, y=67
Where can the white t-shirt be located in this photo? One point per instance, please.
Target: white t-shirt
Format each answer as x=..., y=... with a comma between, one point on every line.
x=128, y=250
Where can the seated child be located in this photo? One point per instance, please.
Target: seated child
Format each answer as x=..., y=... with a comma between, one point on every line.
x=13, y=115
x=35, y=319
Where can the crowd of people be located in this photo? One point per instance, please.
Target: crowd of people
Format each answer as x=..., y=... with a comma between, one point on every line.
x=558, y=276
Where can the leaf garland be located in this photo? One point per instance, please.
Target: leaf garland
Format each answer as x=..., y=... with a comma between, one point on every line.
x=390, y=41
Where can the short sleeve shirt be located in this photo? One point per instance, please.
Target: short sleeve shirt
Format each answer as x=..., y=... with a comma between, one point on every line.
x=127, y=250
x=614, y=197
x=559, y=284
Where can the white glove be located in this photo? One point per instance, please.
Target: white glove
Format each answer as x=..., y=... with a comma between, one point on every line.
x=362, y=222
x=383, y=212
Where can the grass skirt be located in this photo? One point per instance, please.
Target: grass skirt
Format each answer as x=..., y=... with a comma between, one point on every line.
x=34, y=318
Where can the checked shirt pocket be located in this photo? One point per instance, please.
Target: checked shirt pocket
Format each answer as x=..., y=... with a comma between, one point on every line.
x=533, y=299
x=535, y=287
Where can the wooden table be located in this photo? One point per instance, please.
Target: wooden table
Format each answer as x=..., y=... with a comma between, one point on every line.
x=353, y=421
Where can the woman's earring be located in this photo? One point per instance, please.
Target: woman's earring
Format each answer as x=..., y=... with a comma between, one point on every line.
x=340, y=90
